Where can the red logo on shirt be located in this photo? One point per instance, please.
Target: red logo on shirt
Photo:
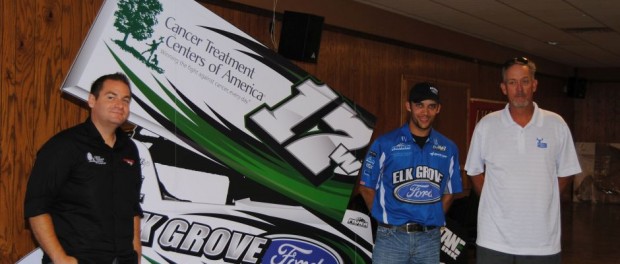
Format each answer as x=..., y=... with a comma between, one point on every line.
x=129, y=161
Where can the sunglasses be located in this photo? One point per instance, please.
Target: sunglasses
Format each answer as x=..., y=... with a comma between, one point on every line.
x=516, y=60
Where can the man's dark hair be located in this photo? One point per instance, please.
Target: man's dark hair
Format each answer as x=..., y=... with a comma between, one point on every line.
x=95, y=88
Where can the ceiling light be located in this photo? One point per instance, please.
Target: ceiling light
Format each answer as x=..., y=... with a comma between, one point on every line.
x=553, y=43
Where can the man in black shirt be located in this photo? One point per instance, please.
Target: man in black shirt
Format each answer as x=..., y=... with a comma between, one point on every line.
x=82, y=198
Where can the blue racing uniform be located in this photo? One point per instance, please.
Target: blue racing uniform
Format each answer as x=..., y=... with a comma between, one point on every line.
x=409, y=181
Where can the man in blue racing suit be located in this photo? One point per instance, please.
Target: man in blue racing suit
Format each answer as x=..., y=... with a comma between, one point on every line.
x=407, y=181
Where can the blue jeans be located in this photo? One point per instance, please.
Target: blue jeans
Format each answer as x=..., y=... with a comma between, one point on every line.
x=393, y=246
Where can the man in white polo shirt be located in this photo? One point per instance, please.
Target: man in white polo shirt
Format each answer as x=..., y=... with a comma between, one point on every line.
x=520, y=159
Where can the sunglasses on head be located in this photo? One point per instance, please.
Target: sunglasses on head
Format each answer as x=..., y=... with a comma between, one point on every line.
x=516, y=60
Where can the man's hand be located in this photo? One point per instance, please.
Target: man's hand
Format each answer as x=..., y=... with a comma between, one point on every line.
x=43, y=229
x=66, y=260
x=368, y=195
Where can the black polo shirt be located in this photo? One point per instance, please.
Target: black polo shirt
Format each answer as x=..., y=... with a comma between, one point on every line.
x=90, y=190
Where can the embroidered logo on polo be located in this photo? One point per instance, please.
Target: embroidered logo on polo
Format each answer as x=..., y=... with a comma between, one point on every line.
x=438, y=147
x=417, y=185
x=540, y=143
x=95, y=159
x=129, y=161
x=401, y=146
x=435, y=154
x=369, y=163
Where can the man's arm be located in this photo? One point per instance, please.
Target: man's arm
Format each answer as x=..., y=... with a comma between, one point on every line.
x=43, y=230
x=137, y=245
x=564, y=182
x=368, y=194
x=477, y=181
x=446, y=201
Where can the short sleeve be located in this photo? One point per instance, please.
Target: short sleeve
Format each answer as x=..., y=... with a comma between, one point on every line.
x=474, y=164
x=50, y=170
x=371, y=167
x=567, y=161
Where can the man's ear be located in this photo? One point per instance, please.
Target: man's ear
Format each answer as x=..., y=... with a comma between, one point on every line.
x=91, y=100
x=408, y=106
x=502, y=85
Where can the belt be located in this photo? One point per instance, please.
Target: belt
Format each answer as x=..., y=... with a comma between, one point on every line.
x=409, y=227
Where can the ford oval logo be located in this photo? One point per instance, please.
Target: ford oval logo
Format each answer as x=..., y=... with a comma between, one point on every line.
x=294, y=249
x=418, y=191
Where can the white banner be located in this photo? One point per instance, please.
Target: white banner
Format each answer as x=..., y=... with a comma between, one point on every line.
x=246, y=158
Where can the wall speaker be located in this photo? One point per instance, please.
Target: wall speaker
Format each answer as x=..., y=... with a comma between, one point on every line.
x=576, y=87
x=300, y=37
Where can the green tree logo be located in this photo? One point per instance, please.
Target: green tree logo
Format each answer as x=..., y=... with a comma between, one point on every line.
x=136, y=18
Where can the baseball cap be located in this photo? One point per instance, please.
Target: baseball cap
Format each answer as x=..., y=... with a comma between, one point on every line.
x=423, y=91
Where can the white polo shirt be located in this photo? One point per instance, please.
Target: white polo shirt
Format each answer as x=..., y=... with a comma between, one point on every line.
x=519, y=211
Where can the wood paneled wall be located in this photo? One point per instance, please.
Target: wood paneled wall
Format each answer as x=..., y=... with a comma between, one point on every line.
x=597, y=116
x=40, y=38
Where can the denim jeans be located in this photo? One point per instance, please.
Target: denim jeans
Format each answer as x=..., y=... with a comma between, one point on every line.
x=393, y=246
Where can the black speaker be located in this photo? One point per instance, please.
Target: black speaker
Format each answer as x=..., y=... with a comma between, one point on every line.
x=576, y=87
x=300, y=37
